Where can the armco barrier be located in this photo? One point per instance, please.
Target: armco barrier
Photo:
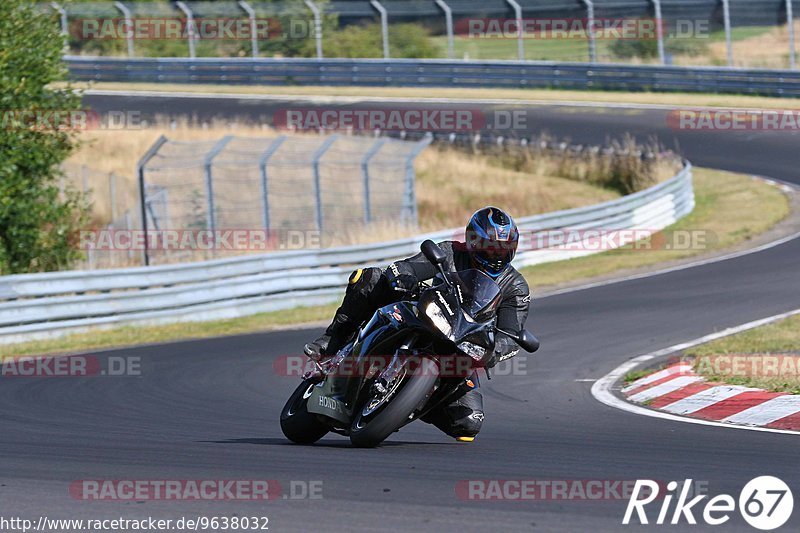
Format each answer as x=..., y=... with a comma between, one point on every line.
x=437, y=73
x=51, y=304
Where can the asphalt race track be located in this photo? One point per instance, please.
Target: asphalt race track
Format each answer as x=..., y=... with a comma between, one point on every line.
x=209, y=409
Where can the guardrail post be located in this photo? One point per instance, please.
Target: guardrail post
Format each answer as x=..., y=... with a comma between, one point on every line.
x=384, y=26
x=411, y=195
x=518, y=15
x=590, y=33
x=365, y=174
x=448, y=19
x=190, y=26
x=211, y=217
x=151, y=152
x=129, y=23
x=790, y=22
x=263, y=160
x=726, y=15
x=251, y=14
x=317, y=26
x=662, y=56
x=317, y=181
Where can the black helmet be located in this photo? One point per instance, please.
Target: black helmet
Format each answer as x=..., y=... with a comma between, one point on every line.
x=492, y=238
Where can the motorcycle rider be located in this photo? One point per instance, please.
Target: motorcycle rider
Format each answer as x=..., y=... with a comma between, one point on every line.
x=491, y=242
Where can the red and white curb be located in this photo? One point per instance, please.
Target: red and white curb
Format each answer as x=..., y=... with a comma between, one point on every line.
x=678, y=390
x=663, y=391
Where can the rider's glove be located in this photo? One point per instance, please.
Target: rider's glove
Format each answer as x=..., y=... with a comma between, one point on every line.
x=403, y=282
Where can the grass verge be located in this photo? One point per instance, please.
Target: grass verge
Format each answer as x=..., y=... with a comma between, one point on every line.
x=781, y=338
x=733, y=206
x=418, y=93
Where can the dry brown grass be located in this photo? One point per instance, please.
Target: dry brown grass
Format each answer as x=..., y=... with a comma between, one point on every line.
x=768, y=50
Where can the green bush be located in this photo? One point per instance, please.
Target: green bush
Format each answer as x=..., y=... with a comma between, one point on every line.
x=37, y=223
x=648, y=48
x=405, y=41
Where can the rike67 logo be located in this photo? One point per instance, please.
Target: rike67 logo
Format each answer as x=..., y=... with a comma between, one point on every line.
x=765, y=503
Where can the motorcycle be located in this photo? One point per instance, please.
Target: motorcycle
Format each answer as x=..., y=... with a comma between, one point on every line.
x=433, y=340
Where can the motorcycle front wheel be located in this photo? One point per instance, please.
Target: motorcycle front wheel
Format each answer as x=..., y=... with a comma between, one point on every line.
x=297, y=423
x=383, y=414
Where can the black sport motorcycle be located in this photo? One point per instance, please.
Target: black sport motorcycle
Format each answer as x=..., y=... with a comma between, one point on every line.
x=410, y=358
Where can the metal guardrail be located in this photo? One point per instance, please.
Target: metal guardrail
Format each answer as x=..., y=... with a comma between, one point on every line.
x=52, y=304
x=437, y=73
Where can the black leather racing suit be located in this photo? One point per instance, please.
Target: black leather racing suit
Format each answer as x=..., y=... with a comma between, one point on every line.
x=371, y=288
x=513, y=311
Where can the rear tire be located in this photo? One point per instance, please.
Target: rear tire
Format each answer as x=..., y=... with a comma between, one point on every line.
x=369, y=431
x=297, y=423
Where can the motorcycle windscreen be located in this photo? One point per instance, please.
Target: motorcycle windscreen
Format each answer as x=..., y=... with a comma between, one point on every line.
x=479, y=295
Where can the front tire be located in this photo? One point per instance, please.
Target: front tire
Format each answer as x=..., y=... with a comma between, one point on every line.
x=297, y=423
x=367, y=431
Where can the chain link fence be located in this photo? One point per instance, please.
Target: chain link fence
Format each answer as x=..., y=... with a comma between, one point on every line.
x=300, y=190
x=748, y=33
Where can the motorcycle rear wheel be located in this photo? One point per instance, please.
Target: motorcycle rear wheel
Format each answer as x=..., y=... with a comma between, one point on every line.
x=370, y=428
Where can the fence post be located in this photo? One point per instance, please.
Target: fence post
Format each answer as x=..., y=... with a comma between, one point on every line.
x=448, y=19
x=129, y=23
x=411, y=195
x=317, y=182
x=262, y=166
x=151, y=152
x=112, y=193
x=590, y=34
x=317, y=26
x=191, y=29
x=251, y=14
x=84, y=179
x=662, y=56
x=384, y=26
x=365, y=175
x=63, y=16
x=790, y=22
x=726, y=15
x=518, y=15
x=211, y=217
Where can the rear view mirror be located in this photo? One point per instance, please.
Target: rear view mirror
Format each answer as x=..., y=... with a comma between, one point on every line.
x=527, y=341
x=433, y=253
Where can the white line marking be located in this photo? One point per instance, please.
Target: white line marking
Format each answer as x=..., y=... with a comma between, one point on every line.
x=675, y=369
x=701, y=400
x=602, y=389
x=664, y=388
x=766, y=412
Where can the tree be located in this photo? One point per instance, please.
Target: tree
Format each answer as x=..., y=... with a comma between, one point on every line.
x=37, y=222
